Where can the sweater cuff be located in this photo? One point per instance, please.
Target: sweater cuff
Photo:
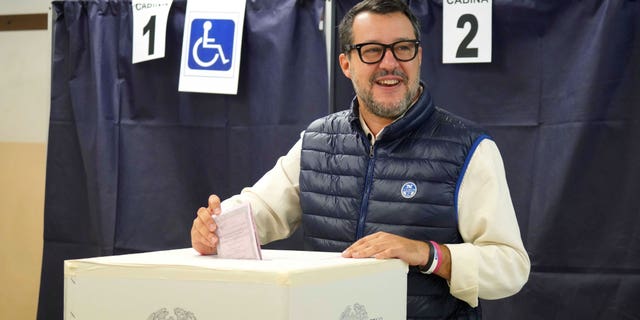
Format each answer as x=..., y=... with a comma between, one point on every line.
x=464, y=273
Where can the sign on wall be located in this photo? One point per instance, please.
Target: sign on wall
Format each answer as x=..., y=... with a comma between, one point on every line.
x=149, y=29
x=211, y=46
x=466, y=27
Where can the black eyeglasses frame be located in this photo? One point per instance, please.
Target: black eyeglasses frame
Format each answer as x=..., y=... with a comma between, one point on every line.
x=358, y=47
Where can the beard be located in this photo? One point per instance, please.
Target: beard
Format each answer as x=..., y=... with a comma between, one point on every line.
x=388, y=110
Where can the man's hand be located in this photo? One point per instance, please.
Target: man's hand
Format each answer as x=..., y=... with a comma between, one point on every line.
x=203, y=237
x=382, y=245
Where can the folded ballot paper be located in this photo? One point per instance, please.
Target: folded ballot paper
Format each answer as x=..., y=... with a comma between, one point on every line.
x=237, y=235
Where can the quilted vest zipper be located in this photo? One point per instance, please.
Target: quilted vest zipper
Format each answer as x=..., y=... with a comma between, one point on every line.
x=364, y=205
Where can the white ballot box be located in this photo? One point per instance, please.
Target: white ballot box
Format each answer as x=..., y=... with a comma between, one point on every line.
x=183, y=285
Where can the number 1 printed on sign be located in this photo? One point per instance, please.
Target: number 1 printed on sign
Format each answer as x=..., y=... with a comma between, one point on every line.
x=150, y=28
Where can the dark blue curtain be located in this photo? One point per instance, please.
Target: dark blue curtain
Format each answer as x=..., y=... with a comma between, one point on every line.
x=130, y=159
x=562, y=100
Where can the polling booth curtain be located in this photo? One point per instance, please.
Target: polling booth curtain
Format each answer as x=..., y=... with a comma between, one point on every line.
x=561, y=98
x=130, y=159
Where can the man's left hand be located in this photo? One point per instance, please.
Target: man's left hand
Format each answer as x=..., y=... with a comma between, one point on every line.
x=382, y=245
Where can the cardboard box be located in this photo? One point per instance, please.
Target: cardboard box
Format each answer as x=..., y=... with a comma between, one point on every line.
x=183, y=285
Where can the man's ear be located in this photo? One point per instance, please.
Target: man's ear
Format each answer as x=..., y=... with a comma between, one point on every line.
x=344, y=65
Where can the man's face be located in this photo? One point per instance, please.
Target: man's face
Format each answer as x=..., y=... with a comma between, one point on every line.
x=387, y=88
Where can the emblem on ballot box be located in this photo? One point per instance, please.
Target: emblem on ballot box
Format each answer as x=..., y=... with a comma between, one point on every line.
x=179, y=313
x=358, y=312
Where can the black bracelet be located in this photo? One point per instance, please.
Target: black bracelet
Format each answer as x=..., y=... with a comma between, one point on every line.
x=425, y=269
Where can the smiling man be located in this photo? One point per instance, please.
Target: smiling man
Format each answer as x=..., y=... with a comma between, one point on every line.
x=385, y=85
x=394, y=176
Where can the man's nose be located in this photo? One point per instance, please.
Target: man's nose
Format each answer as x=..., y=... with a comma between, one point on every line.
x=388, y=60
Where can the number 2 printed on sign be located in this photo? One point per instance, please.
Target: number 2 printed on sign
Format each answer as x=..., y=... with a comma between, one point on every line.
x=463, y=50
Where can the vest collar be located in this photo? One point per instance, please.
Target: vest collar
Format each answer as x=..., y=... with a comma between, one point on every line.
x=408, y=122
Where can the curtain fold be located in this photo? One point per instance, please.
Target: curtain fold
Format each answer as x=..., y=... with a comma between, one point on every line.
x=130, y=159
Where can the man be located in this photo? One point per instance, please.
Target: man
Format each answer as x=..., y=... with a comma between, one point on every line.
x=394, y=177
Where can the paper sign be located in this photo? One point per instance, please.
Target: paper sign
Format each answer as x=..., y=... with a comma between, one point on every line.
x=237, y=235
x=211, y=46
x=149, y=29
x=466, y=27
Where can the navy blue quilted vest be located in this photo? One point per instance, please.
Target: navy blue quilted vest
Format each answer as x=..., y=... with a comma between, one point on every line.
x=406, y=184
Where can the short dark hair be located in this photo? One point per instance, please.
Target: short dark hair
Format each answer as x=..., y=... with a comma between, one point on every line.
x=345, y=29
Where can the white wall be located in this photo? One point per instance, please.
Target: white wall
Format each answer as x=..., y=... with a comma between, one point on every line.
x=25, y=65
x=25, y=61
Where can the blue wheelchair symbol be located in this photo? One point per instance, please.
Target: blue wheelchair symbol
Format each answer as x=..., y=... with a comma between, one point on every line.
x=211, y=44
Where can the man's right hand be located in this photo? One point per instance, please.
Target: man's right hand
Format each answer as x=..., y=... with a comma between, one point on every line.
x=203, y=237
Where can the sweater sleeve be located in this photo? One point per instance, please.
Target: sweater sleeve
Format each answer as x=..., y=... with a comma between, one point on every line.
x=492, y=263
x=275, y=198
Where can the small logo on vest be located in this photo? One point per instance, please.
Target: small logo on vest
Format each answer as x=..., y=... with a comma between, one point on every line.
x=408, y=190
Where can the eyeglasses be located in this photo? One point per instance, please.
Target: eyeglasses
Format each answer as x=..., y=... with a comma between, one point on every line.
x=372, y=52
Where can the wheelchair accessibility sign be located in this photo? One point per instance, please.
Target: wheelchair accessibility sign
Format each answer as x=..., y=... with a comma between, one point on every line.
x=211, y=46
